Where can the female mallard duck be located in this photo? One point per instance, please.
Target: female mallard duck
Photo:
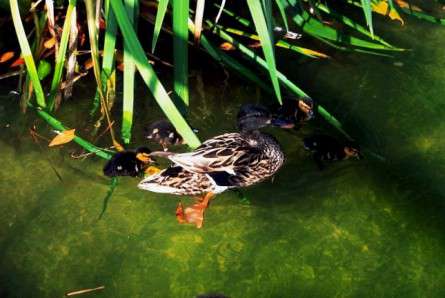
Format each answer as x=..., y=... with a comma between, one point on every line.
x=230, y=160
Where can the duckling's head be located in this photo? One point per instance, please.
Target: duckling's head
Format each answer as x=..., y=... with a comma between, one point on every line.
x=253, y=117
x=352, y=150
x=143, y=155
x=164, y=133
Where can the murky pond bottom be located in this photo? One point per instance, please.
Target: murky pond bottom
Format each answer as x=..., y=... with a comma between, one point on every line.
x=370, y=228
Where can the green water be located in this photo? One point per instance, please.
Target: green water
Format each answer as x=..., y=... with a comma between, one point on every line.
x=357, y=229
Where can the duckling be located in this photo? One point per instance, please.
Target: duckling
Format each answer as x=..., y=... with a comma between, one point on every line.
x=327, y=148
x=128, y=163
x=293, y=113
x=163, y=133
x=230, y=160
x=253, y=116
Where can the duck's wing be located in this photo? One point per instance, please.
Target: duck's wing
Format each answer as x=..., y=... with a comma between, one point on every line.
x=175, y=180
x=222, y=153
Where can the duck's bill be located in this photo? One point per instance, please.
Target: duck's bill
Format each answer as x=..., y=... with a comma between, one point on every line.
x=283, y=123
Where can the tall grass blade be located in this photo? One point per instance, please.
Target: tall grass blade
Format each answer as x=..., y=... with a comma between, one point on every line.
x=367, y=10
x=282, y=13
x=162, y=9
x=26, y=53
x=199, y=14
x=60, y=56
x=108, y=61
x=92, y=31
x=72, y=57
x=129, y=72
x=221, y=7
x=180, y=53
x=266, y=42
x=283, y=79
x=150, y=78
x=225, y=59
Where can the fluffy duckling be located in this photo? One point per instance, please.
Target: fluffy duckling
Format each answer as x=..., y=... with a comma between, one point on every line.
x=327, y=148
x=293, y=113
x=128, y=163
x=163, y=133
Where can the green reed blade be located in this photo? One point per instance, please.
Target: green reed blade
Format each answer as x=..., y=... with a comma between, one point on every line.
x=321, y=31
x=162, y=9
x=129, y=72
x=149, y=76
x=367, y=10
x=113, y=184
x=225, y=59
x=61, y=53
x=26, y=53
x=108, y=65
x=283, y=79
x=180, y=53
x=282, y=13
x=350, y=23
x=266, y=42
x=241, y=20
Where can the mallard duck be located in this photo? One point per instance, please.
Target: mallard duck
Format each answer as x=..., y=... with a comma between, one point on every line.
x=163, y=133
x=230, y=160
x=327, y=148
x=128, y=163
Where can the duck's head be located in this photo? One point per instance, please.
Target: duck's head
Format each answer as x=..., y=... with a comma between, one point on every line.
x=252, y=117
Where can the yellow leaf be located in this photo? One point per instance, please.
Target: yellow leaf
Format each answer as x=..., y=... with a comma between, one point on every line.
x=50, y=43
x=404, y=4
x=63, y=138
x=383, y=8
x=227, y=46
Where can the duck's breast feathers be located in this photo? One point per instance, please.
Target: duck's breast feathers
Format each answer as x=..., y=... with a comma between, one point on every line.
x=176, y=180
x=221, y=153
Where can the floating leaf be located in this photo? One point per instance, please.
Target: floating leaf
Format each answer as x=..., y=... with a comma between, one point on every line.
x=227, y=46
x=6, y=56
x=64, y=137
x=50, y=42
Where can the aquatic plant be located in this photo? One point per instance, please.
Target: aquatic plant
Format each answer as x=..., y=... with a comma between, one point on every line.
x=323, y=21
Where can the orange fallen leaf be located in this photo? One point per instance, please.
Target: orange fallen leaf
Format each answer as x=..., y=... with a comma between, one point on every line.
x=88, y=64
x=18, y=62
x=6, y=56
x=63, y=138
x=227, y=46
x=50, y=43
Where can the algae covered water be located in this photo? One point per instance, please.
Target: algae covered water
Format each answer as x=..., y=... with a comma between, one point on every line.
x=370, y=228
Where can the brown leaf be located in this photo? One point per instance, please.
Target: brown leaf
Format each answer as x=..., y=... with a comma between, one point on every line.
x=18, y=62
x=50, y=43
x=6, y=56
x=63, y=138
